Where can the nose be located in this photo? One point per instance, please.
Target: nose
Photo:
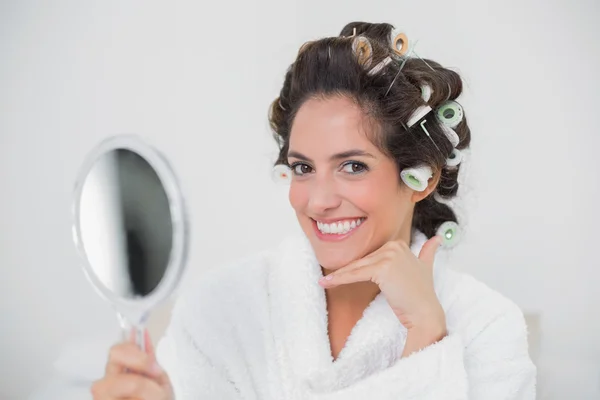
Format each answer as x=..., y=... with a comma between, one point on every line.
x=323, y=195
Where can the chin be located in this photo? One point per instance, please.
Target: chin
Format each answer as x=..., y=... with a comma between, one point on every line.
x=335, y=252
x=334, y=259
x=332, y=265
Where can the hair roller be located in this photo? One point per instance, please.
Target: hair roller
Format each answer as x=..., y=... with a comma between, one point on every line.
x=416, y=178
x=362, y=49
x=454, y=159
x=426, y=93
x=376, y=69
x=451, y=135
x=449, y=231
x=281, y=174
x=399, y=42
x=418, y=114
x=450, y=113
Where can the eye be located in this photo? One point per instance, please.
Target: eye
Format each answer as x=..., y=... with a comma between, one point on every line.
x=300, y=168
x=354, y=167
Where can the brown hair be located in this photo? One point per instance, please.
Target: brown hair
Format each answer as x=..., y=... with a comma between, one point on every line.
x=330, y=67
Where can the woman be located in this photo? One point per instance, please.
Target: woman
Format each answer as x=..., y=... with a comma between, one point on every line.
x=355, y=307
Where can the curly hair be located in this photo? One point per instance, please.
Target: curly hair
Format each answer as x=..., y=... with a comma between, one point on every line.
x=388, y=95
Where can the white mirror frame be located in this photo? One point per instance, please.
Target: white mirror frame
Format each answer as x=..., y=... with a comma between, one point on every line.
x=136, y=310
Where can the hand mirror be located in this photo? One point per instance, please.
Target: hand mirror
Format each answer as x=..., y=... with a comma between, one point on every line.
x=130, y=227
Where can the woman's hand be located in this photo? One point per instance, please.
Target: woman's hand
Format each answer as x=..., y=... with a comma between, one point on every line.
x=407, y=284
x=133, y=374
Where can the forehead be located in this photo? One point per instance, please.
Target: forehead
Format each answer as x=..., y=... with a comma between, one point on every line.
x=327, y=126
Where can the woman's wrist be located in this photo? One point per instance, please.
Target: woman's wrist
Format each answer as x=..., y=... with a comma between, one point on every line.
x=431, y=331
x=417, y=339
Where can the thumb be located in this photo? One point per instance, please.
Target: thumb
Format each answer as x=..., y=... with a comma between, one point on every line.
x=427, y=253
x=148, y=344
x=161, y=376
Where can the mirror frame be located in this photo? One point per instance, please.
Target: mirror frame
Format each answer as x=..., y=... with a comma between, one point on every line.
x=137, y=309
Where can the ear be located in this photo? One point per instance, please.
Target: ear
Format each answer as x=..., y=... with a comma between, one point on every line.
x=433, y=182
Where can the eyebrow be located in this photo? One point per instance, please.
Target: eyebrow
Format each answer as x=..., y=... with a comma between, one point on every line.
x=338, y=156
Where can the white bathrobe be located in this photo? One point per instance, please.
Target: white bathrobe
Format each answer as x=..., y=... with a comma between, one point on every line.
x=257, y=329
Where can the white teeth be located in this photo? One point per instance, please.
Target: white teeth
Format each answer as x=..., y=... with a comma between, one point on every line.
x=335, y=228
x=341, y=227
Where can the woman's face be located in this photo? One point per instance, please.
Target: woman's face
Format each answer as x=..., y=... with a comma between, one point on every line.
x=346, y=193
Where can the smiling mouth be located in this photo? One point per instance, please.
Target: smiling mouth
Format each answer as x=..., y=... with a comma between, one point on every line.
x=340, y=227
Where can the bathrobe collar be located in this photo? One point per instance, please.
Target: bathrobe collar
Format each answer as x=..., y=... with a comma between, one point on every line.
x=299, y=318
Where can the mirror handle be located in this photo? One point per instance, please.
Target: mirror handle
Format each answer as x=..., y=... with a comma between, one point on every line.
x=133, y=331
x=140, y=337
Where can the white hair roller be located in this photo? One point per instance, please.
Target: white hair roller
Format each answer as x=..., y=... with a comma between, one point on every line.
x=418, y=114
x=426, y=93
x=450, y=113
x=454, y=159
x=449, y=231
x=282, y=174
x=380, y=66
x=451, y=135
x=417, y=178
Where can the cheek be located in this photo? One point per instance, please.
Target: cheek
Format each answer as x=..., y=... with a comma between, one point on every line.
x=362, y=196
x=383, y=201
x=371, y=195
x=297, y=196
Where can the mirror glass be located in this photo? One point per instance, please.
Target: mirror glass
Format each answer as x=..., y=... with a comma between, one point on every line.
x=125, y=223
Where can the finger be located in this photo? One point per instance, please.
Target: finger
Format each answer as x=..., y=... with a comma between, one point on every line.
x=161, y=376
x=113, y=368
x=391, y=248
x=364, y=274
x=127, y=386
x=372, y=258
x=132, y=335
x=129, y=356
x=427, y=253
x=148, y=344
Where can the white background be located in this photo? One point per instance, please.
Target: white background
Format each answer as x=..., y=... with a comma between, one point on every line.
x=196, y=79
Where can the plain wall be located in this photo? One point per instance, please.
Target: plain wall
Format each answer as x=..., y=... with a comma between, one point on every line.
x=196, y=79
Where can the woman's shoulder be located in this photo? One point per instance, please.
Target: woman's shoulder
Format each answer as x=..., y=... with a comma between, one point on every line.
x=464, y=287
x=472, y=306
x=217, y=307
x=230, y=288
x=219, y=283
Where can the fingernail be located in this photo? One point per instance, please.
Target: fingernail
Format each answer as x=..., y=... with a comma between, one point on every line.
x=325, y=280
